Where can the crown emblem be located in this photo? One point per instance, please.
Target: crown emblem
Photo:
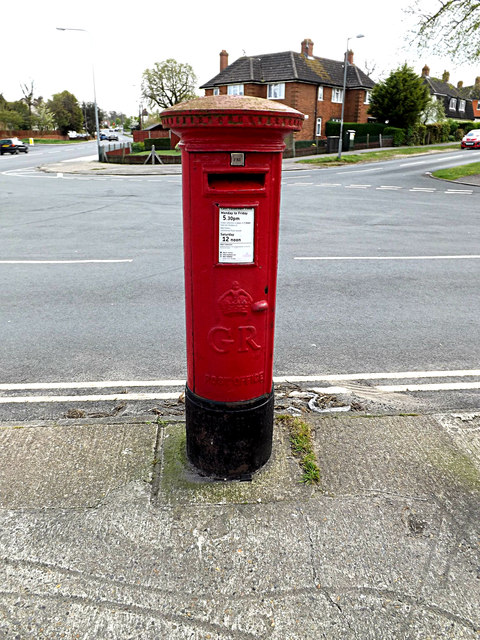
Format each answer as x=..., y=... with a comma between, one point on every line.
x=235, y=301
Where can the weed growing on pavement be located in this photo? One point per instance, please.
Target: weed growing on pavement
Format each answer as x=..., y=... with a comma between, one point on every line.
x=302, y=447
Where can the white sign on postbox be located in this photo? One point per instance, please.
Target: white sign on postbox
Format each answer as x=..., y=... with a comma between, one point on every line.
x=236, y=235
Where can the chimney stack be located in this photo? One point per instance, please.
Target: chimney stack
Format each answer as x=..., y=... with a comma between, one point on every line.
x=477, y=81
x=459, y=84
x=223, y=59
x=446, y=76
x=350, y=56
x=307, y=48
x=425, y=72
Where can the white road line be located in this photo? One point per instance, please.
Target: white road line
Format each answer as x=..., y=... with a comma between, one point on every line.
x=99, y=384
x=388, y=187
x=98, y=398
x=447, y=386
x=465, y=191
x=64, y=261
x=360, y=171
x=395, y=375
x=466, y=257
x=180, y=384
x=358, y=186
x=423, y=189
x=329, y=184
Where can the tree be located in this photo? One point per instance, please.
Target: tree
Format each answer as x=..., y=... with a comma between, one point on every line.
x=400, y=98
x=68, y=115
x=10, y=119
x=433, y=112
x=453, y=29
x=43, y=118
x=28, y=97
x=168, y=83
x=88, y=110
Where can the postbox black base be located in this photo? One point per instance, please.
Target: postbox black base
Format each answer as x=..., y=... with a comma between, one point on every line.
x=229, y=440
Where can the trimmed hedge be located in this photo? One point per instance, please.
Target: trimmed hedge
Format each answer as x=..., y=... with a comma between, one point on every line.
x=160, y=143
x=362, y=128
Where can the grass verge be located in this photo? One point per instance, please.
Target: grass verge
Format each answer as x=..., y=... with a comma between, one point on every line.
x=302, y=447
x=455, y=173
x=373, y=156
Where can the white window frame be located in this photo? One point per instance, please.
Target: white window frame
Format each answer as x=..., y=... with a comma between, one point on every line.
x=367, y=97
x=453, y=104
x=320, y=93
x=235, y=90
x=276, y=91
x=318, y=127
x=337, y=95
x=462, y=104
x=216, y=91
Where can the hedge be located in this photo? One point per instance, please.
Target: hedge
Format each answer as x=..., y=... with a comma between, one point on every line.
x=332, y=128
x=160, y=143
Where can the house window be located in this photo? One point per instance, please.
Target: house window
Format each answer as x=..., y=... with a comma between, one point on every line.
x=318, y=129
x=461, y=106
x=276, y=91
x=216, y=91
x=320, y=93
x=453, y=104
x=337, y=95
x=235, y=90
x=367, y=97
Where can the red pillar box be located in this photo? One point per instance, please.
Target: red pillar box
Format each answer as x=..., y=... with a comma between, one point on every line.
x=232, y=160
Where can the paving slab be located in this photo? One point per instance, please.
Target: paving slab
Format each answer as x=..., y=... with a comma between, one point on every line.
x=387, y=547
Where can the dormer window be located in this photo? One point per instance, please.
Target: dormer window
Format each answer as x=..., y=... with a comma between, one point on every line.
x=453, y=104
x=461, y=106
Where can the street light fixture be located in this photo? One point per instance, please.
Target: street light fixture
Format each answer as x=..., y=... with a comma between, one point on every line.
x=345, y=65
x=97, y=125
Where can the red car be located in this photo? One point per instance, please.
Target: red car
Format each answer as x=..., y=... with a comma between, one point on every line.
x=471, y=140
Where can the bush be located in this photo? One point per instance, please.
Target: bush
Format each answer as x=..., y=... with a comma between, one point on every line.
x=397, y=134
x=362, y=128
x=416, y=134
x=438, y=132
x=137, y=147
x=160, y=143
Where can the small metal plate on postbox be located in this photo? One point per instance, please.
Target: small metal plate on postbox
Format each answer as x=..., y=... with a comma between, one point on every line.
x=237, y=159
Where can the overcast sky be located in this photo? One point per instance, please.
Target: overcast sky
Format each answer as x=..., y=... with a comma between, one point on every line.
x=125, y=39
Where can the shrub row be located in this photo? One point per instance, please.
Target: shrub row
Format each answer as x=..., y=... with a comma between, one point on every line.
x=160, y=143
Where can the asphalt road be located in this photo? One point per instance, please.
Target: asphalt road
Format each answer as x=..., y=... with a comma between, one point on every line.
x=378, y=274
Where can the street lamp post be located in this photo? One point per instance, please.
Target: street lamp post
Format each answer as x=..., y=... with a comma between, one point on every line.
x=345, y=65
x=97, y=125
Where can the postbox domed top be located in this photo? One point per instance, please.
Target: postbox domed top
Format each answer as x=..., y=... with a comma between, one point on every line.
x=229, y=113
x=232, y=103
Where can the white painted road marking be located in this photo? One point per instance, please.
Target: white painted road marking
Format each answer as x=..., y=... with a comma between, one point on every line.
x=107, y=384
x=65, y=261
x=176, y=387
x=99, y=398
x=466, y=257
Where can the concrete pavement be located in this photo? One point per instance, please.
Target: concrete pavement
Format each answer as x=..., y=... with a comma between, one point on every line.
x=108, y=533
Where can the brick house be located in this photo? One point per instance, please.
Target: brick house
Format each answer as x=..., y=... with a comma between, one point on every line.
x=303, y=81
x=459, y=103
